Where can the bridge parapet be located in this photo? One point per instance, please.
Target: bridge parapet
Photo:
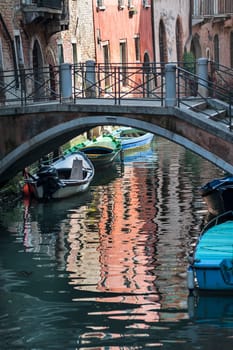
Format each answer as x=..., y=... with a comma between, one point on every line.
x=163, y=83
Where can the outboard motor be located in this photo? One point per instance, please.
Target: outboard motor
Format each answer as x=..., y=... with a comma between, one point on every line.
x=48, y=178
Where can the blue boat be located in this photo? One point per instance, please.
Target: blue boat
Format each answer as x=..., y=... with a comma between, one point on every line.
x=211, y=266
x=132, y=138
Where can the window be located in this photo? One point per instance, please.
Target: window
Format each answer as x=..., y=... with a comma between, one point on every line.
x=137, y=47
x=123, y=61
x=146, y=3
x=216, y=50
x=19, y=50
x=74, y=49
x=60, y=53
x=100, y=5
x=121, y=4
x=231, y=48
x=130, y=4
x=2, y=92
x=106, y=65
x=196, y=8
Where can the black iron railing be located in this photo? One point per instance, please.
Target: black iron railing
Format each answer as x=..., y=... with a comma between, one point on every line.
x=53, y=4
x=218, y=87
x=119, y=81
x=116, y=82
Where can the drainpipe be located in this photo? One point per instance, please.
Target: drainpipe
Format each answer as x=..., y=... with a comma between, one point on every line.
x=12, y=48
x=190, y=24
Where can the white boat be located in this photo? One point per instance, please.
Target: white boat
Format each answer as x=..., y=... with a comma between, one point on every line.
x=132, y=138
x=69, y=175
x=211, y=266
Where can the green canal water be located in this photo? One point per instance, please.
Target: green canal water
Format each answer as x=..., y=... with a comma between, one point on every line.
x=106, y=270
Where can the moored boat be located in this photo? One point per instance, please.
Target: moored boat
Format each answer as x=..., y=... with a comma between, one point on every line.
x=132, y=138
x=218, y=195
x=102, y=150
x=67, y=176
x=211, y=266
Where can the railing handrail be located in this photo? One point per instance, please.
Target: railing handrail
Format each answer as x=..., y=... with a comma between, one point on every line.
x=115, y=81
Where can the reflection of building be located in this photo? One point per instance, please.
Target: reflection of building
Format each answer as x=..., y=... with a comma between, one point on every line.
x=175, y=219
x=128, y=242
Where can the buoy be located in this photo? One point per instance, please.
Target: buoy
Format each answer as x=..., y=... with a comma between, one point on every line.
x=190, y=278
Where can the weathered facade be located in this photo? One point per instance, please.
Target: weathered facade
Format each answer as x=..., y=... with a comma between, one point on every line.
x=172, y=29
x=45, y=32
x=40, y=35
x=213, y=30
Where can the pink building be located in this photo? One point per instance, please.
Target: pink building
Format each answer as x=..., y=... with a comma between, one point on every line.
x=123, y=31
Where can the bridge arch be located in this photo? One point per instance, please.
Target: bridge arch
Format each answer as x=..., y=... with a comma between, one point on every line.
x=47, y=141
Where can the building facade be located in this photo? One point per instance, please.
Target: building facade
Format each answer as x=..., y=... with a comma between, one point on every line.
x=172, y=29
x=123, y=31
x=212, y=31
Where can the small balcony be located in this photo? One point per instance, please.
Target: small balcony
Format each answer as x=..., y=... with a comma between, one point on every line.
x=52, y=13
x=212, y=8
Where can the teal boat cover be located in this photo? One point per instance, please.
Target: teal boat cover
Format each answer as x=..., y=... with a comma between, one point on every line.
x=216, y=243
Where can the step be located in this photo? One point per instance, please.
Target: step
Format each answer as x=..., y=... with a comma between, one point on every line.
x=199, y=106
x=217, y=115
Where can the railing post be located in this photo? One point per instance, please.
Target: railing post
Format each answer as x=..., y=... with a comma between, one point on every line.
x=170, y=85
x=90, y=79
x=66, y=81
x=203, y=77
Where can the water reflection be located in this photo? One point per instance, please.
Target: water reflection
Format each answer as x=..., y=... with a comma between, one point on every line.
x=107, y=270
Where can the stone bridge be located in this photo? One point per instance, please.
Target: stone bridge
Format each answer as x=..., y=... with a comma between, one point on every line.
x=35, y=128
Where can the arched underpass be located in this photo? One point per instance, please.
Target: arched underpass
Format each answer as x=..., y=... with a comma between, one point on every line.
x=42, y=129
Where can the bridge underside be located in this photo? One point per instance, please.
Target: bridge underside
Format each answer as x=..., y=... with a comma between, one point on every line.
x=36, y=131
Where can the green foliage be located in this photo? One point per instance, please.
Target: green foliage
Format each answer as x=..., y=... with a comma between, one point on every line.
x=189, y=62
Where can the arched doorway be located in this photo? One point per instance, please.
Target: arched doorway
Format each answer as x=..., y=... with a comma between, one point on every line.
x=37, y=62
x=146, y=75
x=53, y=78
x=162, y=43
x=196, y=49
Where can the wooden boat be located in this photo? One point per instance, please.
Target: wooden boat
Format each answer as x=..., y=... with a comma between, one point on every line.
x=218, y=195
x=67, y=176
x=102, y=151
x=211, y=267
x=132, y=138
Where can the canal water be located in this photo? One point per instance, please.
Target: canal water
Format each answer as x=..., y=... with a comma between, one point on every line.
x=107, y=269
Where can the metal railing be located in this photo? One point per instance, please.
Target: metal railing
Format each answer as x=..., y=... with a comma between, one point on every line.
x=116, y=82
x=219, y=85
x=27, y=86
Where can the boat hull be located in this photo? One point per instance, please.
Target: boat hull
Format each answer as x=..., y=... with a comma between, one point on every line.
x=68, y=176
x=69, y=189
x=129, y=140
x=102, y=151
x=100, y=160
x=211, y=278
x=212, y=262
